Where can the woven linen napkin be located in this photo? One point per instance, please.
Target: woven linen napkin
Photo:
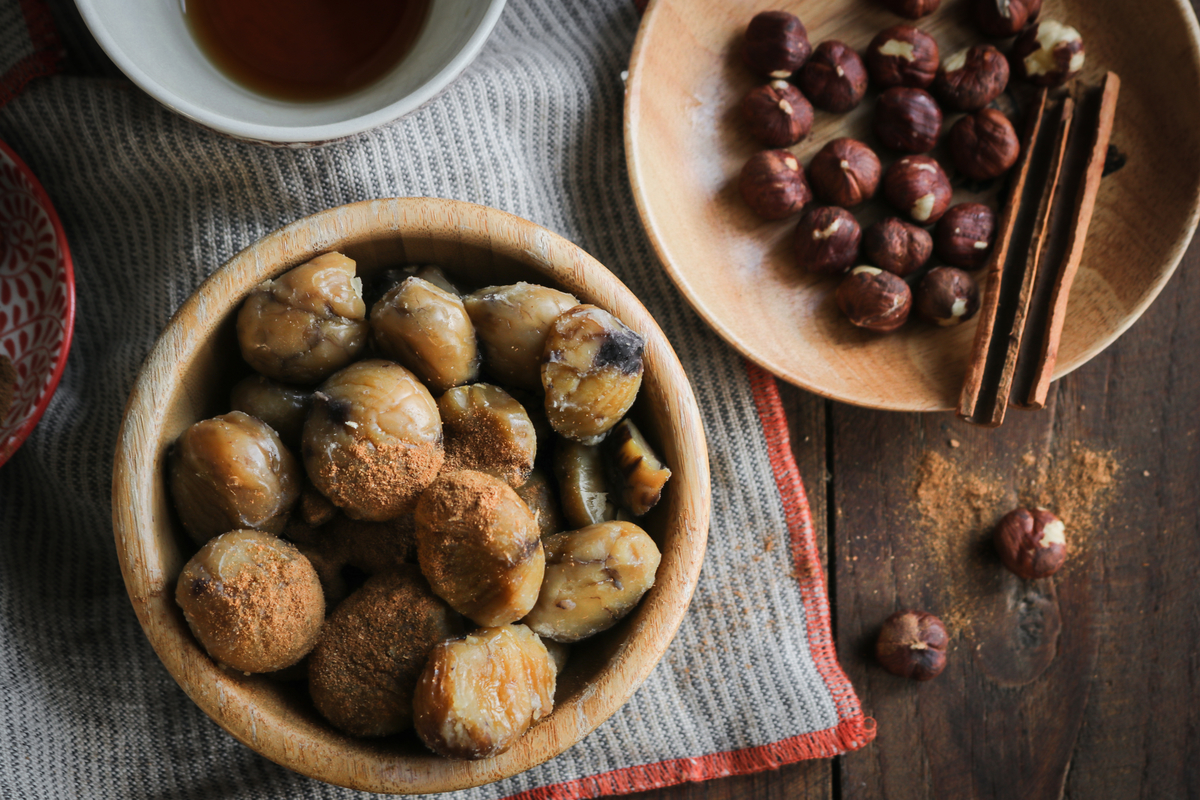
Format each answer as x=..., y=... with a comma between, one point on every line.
x=152, y=204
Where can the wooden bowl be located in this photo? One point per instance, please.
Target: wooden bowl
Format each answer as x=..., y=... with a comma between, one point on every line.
x=685, y=145
x=187, y=377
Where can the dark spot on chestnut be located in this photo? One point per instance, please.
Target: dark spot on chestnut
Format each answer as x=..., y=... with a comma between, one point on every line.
x=622, y=349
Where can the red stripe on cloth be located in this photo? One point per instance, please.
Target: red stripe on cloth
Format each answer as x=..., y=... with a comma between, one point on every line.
x=47, y=55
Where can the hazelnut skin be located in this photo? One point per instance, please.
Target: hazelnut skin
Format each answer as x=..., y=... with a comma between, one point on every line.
x=946, y=296
x=896, y=246
x=912, y=644
x=844, y=173
x=902, y=56
x=776, y=44
x=826, y=240
x=1032, y=542
x=1047, y=53
x=773, y=184
x=918, y=186
x=1005, y=18
x=907, y=120
x=834, y=79
x=777, y=114
x=873, y=299
x=912, y=9
x=971, y=78
x=984, y=145
x=964, y=236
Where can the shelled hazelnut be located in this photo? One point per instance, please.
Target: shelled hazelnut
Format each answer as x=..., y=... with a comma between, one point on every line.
x=834, y=78
x=902, y=56
x=873, y=299
x=896, y=246
x=907, y=120
x=1005, y=17
x=776, y=44
x=1047, y=53
x=971, y=78
x=777, y=114
x=984, y=145
x=773, y=185
x=845, y=172
x=1032, y=542
x=963, y=237
x=826, y=241
x=918, y=186
x=912, y=644
x=946, y=296
x=913, y=9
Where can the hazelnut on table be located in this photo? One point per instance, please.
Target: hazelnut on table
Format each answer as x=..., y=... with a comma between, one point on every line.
x=844, y=172
x=902, y=56
x=912, y=644
x=896, y=246
x=1004, y=18
x=918, y=186
x=835, y=78
x=971, y=78
x=826, y=241
x=1047, y=53
x=777, y=114
x=907, y=120
x=984, y=145
x=964, y=236
x=913, y=9
x=1032, y=543
x=775, y=44
x=873, y=299
x=772, y=183
x=946, y=296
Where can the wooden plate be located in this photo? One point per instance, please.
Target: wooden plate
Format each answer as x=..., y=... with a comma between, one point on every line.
x=685, y=146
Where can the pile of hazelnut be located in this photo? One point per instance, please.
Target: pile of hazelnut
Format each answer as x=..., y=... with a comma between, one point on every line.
x=916, y=86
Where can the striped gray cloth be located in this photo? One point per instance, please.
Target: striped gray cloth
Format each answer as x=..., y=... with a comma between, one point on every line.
x=152, y=204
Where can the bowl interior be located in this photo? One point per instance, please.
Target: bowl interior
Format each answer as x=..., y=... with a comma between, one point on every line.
x=686, y=144
x=187, y=378
x=155, y=48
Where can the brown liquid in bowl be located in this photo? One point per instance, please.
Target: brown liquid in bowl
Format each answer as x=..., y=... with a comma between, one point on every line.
x=305, y=49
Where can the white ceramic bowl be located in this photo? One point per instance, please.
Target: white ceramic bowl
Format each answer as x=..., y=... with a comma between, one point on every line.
x=154, y=47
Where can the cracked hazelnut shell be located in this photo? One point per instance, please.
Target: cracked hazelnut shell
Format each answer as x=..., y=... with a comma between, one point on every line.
x=835, y=78
x=918, y=186
x=984, y=145
x=907, y=120
x=1047, y=53
x=873, y=299
x=1031, y=542
x=902, y=56
x=964, y=236
x=912, y=644
x=827, y=240
x=844, y=173
x=946, y=296
x=776, y=44
x=896, y=246
x=777, y=114
x=912, y=9
x=1005, y=18
x=773, y=184
x=971, y=78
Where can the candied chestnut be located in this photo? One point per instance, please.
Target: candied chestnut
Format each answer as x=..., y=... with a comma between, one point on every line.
x=539, y=494
x=252, y=600
x=902, y=56
x=826, y=241
x=636, y=470
x=373, y=440
x=230, y=472
x=964, y=235
x=487, y=430
x=282, y=407
x=583, y=484
x=844, y=172
x=907, y=120
x=306, y=324
x=971, y=78
x=896, y=246
x=834, y=79
x=427, y=330
x=777, y=114
x=512, y=323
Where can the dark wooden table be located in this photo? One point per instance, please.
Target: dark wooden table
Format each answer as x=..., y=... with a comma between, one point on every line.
x=1081, y=686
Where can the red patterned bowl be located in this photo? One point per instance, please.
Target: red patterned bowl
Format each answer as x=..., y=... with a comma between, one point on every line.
x=37, y=297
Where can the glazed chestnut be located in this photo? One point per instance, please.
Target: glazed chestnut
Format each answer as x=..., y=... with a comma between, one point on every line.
x=773, y=184
x=907, y=120
x=282, y=407
x=373, y=439
x=1004, y=18
x=427, y=330
x=835, y=78
x=777, y=114
x=591, y=371
x=1032, y=542
x=946, y=296
x=896, y=246
x=231, y=472
x=918, y=186
x=1047, y=53
x=583, y=484
x=775, y=44
x=635, y=469
x=306, y=324
x=912, y=9
x=540, y=495
x=902, y=56
x=912, y=644
x=826, y=241
x=971, y=78
x=963, y=237
x=984, y=145
x=873, y=299
x=252, y=600
x=844, y=173
x=512, y=323
x=487, y=430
